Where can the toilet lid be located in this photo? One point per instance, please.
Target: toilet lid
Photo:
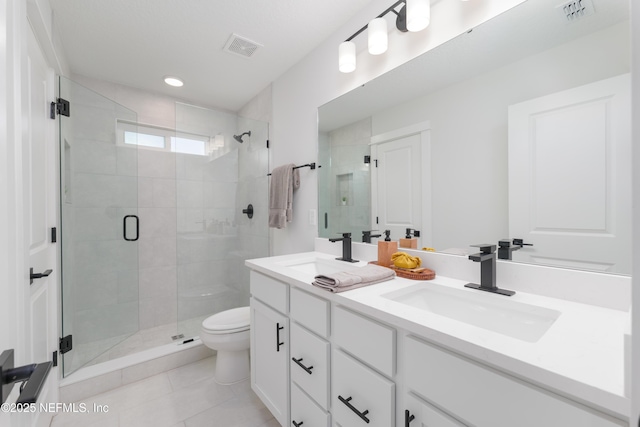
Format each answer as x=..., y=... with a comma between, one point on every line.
x=229, y=320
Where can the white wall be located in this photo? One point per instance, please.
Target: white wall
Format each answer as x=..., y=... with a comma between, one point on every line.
x=316, y=80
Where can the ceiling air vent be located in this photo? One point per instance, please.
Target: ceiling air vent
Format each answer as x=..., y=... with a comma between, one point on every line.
x=576, y=9
x=241, y=46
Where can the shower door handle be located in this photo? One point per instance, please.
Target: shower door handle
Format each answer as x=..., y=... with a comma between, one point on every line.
x=124, y=228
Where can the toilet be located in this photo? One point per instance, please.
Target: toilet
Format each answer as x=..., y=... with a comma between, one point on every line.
x=227, y=332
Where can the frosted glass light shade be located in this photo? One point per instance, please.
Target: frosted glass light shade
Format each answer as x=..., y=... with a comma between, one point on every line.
x=418, y=14
x=378, y=39
x=347, y=57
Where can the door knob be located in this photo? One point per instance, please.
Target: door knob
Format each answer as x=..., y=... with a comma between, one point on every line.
x=33, y=275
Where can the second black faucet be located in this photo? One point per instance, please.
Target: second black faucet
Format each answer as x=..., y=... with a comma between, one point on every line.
x=346, y=247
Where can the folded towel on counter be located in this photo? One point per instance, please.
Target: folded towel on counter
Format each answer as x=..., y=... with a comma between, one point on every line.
x=355, y=278
x=284, y=179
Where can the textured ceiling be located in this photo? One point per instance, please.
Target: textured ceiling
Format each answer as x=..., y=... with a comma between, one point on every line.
x=137, y=42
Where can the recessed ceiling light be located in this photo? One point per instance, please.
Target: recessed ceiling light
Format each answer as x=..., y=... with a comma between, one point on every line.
x=173, y=81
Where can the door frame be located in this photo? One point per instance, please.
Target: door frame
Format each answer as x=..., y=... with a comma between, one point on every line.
x=424, y=130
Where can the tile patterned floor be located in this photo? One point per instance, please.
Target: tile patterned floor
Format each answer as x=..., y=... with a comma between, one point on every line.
x=183, y=397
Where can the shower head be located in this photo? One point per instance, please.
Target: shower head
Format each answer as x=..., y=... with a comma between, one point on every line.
x=239, y=137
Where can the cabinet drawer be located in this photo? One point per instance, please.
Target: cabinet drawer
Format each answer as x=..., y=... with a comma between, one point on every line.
x=310, y=369
x=426, y=415
x=481, y=396
x=310, y=311
x=369, y=341
x=360, y=394
x=304, y=412
x=269, y=291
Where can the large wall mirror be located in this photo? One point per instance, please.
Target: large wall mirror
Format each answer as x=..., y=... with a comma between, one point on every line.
x=520, y=129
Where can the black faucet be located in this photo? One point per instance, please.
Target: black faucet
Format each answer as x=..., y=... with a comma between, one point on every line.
x=505, y=249
x=346, y=247
x=366, y=236
x=416, y=233
x=487, y=260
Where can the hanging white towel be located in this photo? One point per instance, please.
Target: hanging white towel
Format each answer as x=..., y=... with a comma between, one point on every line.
x=284, y=179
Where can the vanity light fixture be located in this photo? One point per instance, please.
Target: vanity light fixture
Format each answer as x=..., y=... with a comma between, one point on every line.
x=173, y=81
x=414, y=15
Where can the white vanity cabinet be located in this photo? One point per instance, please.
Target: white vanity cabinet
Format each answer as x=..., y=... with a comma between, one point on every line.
x=484, y=397
x=270, y=344
x=318, y=361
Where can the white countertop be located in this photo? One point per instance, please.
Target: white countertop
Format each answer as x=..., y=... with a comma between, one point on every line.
x=581, y=356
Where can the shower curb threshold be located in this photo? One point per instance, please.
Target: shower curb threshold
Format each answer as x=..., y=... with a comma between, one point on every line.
x=100, y=378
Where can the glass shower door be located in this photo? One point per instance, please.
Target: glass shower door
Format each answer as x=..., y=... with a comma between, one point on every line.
x=214, y=236
x=99, y=226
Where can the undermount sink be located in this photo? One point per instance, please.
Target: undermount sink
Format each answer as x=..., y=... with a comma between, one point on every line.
x=315, y=266
x=492, y=312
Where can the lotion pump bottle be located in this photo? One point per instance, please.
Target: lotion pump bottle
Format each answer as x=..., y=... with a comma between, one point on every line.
x=408, y=241
x=386, y=249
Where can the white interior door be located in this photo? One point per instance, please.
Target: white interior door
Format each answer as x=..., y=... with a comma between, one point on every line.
x=39, y=313
x=570, y=177
x=397, y=186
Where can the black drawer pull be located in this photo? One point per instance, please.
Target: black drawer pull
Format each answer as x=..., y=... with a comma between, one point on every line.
x=278, y=329
x=350, y=406
x=297, y=424
x=307, y=370
x=408, y=418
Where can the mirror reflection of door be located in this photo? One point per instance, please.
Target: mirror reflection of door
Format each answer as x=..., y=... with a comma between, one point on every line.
x=569, y=169
x=398, y=184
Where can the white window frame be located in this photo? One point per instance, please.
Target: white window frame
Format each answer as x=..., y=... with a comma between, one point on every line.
x=171, y=137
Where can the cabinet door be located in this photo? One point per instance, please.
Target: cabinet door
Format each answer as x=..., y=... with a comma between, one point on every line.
x=360, y=396
x=418, y=413
x=270, y=359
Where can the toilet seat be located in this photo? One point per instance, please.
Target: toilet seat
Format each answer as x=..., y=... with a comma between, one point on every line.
x=229, y=321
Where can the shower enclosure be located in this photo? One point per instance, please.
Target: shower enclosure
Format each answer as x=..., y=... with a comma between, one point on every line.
x=152, y=232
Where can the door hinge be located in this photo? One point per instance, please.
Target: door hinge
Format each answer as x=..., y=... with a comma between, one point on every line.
x=61, y=106
x=376, y=160
x=376, y=220
x=54, y=235
x=55, y=358
x=267, y=143
x=66, y=344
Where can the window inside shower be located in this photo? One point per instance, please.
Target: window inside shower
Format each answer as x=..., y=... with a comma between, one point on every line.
x=163, y=139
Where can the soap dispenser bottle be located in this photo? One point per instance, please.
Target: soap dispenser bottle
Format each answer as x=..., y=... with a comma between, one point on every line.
x=386, y=249
x=408, y=241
